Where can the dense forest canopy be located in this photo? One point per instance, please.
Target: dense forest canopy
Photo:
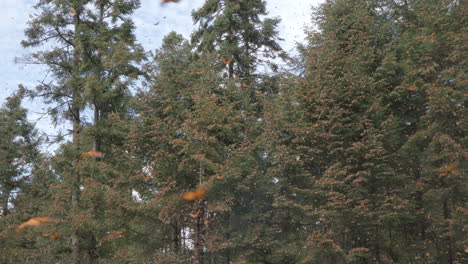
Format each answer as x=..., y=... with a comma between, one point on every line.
x=352, y=151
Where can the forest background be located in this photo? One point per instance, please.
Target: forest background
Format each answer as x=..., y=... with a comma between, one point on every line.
x=220, y=147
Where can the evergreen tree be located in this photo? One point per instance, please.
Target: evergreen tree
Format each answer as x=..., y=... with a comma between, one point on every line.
x=19, y=150
x=93, y=65
x=189, y=131
x=424, y=75
x=329, y=160
x=358, y=159
x=24, y=184
x=241, y=42
x=235, y=31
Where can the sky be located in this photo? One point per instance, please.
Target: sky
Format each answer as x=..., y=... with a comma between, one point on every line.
x=295, y=16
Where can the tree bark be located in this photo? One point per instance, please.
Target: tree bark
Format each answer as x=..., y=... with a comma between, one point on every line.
x=75, y=116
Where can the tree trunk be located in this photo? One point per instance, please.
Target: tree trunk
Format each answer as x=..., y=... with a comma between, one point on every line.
x=5, y=205
x=75, y=178
x=449, y=238
x=75, y=115
x=200, y=235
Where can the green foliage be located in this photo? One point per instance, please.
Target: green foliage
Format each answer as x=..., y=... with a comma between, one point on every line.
x=18, y=150
x=358, y=159
x=236, y=32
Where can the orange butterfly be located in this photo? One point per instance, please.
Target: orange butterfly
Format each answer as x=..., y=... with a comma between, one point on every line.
x=192, y=196
x=92, y=153
x=52, y=236
x=226, y=61
x=195, y=214
x=35, y=221
x=72, y=12
x=412, y=89
x=449, y=168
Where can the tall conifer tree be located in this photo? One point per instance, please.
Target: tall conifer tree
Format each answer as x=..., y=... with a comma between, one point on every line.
x=424, y=74
x=235, y=31
x=92, y=63
x=18, y=149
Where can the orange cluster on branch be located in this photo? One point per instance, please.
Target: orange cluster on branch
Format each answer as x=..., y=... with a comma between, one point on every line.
x=450, y=168
x=192, y=196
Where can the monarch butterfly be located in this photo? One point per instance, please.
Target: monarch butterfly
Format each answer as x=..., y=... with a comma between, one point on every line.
x=72, y=12
x=35, y=221
x=192, y=196
x=52, y=236
x=92, y=153
x=226, y=61
x=449, y=168
x=195, y=214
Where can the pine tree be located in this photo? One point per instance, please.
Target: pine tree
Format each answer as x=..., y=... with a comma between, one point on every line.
x=190, y=124
x=24, y=183
x=424, y=73
x=329, y=159
x=19, y=149
x=92, y=66
x=242, y=42
x=235, y=31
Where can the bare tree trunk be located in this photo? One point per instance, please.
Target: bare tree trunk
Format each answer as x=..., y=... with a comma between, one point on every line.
x=75, y=192
x=200, y=234
x=176, y=238
x=92, y=243
x=92, y=249
x=449, y=238
x=5, y=211
x=75, y=115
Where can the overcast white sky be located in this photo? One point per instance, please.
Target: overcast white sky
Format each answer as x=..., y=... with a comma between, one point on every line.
x=14, y=14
